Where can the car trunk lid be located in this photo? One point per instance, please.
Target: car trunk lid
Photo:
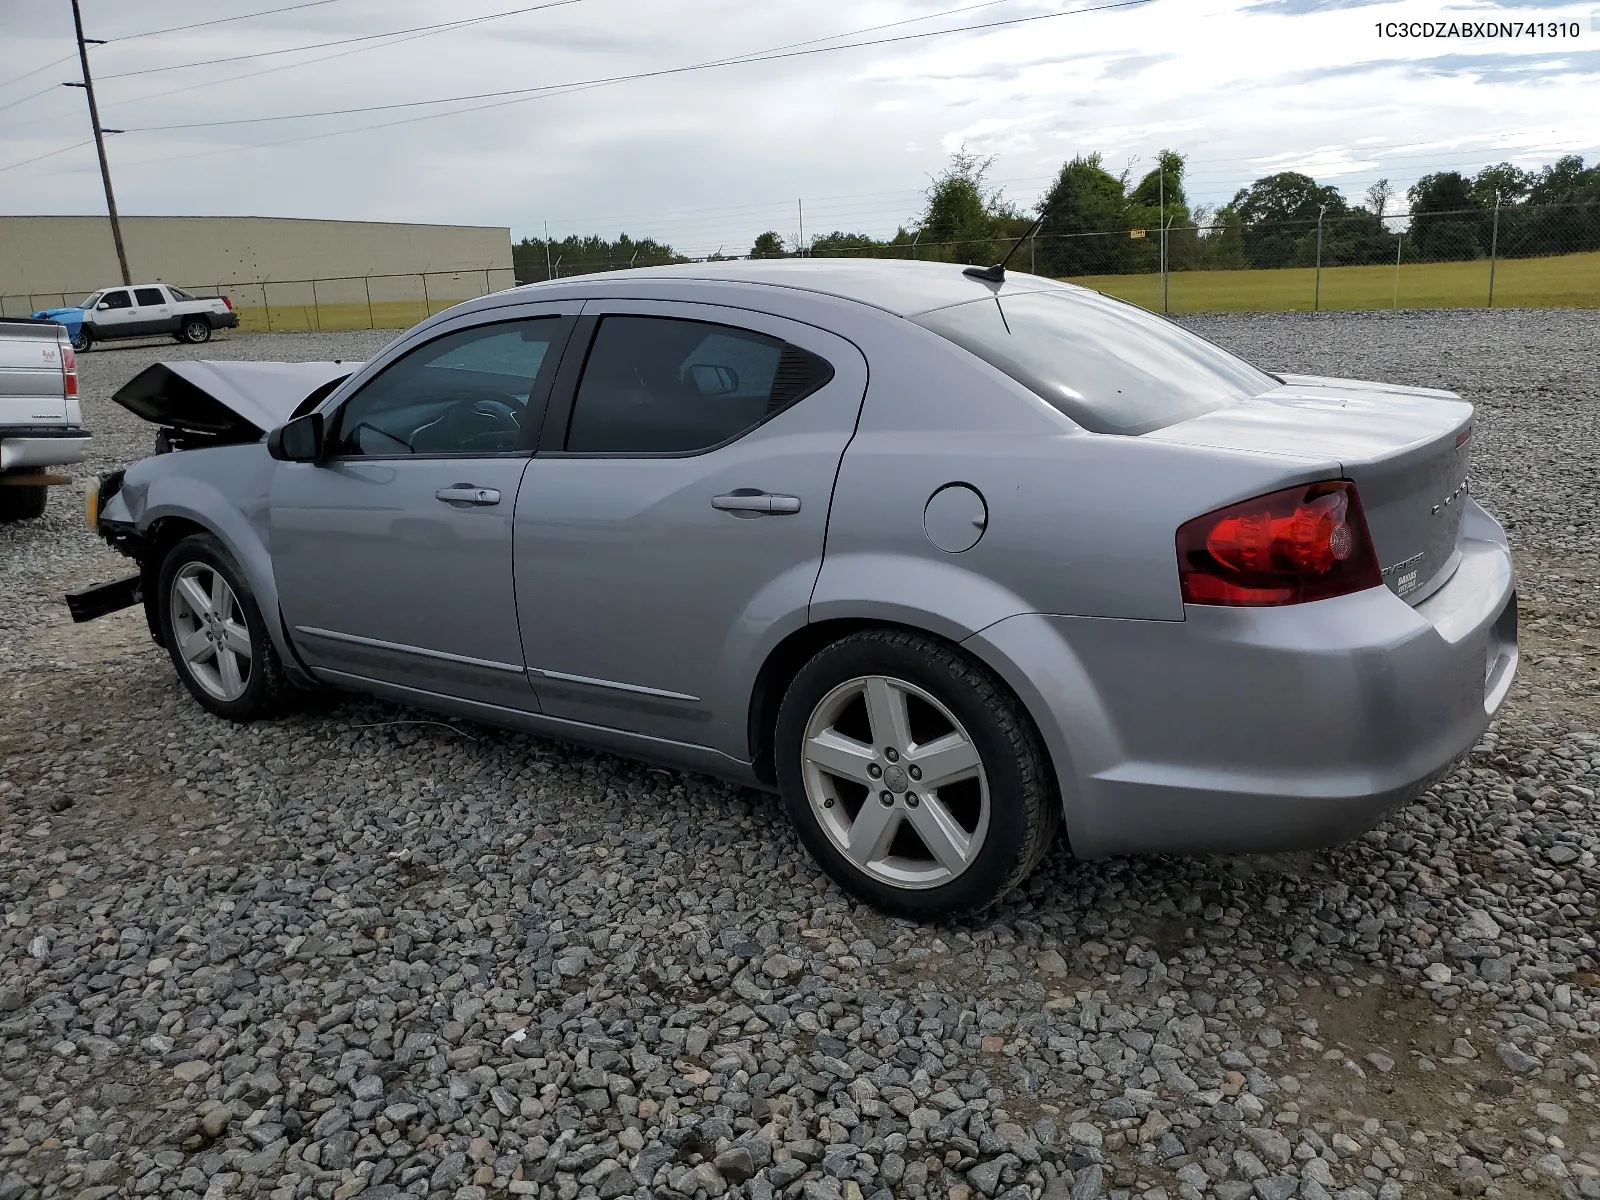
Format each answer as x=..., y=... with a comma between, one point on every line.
x=1406, y=450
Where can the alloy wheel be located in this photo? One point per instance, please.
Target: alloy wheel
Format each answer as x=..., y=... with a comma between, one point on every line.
x=896, y=782
x=209, y=625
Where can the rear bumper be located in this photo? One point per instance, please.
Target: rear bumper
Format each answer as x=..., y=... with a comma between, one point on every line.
x=1240, y=730
x=227, y=320
x=42, y=448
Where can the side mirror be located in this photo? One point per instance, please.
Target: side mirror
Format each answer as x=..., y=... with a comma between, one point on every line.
x=298, y=441
x=102, y=306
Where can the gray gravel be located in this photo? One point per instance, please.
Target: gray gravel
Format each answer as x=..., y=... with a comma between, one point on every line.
x=346, y=954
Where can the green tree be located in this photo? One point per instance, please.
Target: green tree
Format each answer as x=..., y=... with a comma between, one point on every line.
x=1085, y=221
x=965, y=220
x=1278, y=215
x=581, y=255
x=768, y=245
x=1446, y=219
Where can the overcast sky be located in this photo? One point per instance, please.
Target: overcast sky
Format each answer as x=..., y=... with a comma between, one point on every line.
x=709, y=158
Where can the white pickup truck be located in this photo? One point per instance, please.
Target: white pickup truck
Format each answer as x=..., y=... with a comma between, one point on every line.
x=41, y=420
x=143, y=310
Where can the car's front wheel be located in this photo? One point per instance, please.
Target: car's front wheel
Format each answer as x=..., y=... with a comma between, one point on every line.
x=913, y=775
x=195, y=330
x=215, y=633
x=83, y=339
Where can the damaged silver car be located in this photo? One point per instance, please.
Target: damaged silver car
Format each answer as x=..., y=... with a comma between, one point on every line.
x=949, y=558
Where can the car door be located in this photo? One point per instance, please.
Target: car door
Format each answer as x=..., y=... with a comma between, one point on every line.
x=152, y=311
x=393, y=555
x=114, y=316
x=676, y=512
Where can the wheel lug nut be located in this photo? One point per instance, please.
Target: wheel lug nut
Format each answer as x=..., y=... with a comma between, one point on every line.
x=874, y=770
x=827, y=804
x=887, y=798
x=915, y=772
x=892, y=754
x=911, y=800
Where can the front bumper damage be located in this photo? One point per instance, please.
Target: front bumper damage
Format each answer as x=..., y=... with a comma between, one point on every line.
x=101, y=598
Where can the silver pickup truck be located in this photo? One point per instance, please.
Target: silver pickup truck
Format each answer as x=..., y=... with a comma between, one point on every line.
x=41, y=420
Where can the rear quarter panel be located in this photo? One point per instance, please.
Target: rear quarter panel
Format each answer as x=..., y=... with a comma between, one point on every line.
x=1079, y=524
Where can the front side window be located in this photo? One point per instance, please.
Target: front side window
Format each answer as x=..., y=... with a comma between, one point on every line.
x=1110, y=366
x=469, y=392
x=116, y=300
x=149, y=297
x=660, y=385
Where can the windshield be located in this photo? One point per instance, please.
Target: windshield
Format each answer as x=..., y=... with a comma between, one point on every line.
x=90, y=301
x=1110, y=366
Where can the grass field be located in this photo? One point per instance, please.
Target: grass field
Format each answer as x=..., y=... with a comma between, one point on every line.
x=384, y=314
x=1566, y=281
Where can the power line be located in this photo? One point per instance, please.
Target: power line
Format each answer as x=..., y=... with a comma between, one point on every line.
x=184, y=28
x=754, y=57
x=30, y=96
x=51, y=154
x=440, y=27
x=399, y=40
x=38, y=70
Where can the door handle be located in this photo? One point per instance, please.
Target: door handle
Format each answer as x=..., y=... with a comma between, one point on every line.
x=465, y=493
x=756, y=502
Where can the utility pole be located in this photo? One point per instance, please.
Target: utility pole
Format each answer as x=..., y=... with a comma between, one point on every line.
x=100, y=140
x=800, y=207
x=549, y=272
x=1494, y=247
x=1316, y=295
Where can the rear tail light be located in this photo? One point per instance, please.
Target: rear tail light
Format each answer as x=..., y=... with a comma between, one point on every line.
x=1289, y=547
x=228, y=302
x=69, y=371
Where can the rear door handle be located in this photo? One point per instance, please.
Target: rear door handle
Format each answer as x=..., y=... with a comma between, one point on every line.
x=465, y=493
x=756, y=502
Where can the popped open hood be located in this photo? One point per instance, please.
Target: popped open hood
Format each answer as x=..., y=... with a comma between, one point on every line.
x=238, y=401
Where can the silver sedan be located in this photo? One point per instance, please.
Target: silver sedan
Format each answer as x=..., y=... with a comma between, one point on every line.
x=949, y=559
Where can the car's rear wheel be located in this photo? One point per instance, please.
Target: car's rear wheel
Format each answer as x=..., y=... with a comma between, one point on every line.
x=195, y=330
x=83, y=339
x=22, y=502
x=215, y=634
x=913, y=775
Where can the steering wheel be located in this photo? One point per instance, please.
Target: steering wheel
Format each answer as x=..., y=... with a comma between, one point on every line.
x=484, y=420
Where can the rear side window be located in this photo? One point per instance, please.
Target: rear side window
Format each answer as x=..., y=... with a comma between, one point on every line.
x=116, y=300
x=1110, y=366
x=660, y=385
x=148, y=297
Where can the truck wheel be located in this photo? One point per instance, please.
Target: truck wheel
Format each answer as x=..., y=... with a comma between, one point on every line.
x=22, y=503
x=913, y=776
x=195, y=330
x=214, y=631
x=83, y=339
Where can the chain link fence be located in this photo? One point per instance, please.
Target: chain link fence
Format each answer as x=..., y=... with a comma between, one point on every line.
x=308, y=305
x=1518, y=256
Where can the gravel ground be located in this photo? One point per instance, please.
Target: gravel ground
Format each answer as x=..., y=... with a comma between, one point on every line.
x=351, y=953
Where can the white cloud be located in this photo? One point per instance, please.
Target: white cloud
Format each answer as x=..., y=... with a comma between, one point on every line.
x=713, y=157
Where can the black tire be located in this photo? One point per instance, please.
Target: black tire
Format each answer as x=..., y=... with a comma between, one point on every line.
x=194, y=330
x=1024, y=812
x=22, y=503
x=267, y=690
x=83, y=340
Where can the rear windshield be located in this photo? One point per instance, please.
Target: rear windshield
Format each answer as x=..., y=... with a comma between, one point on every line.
x=1110, y=366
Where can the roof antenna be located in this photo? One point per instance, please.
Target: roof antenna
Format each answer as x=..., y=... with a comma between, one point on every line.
x=997, y=273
